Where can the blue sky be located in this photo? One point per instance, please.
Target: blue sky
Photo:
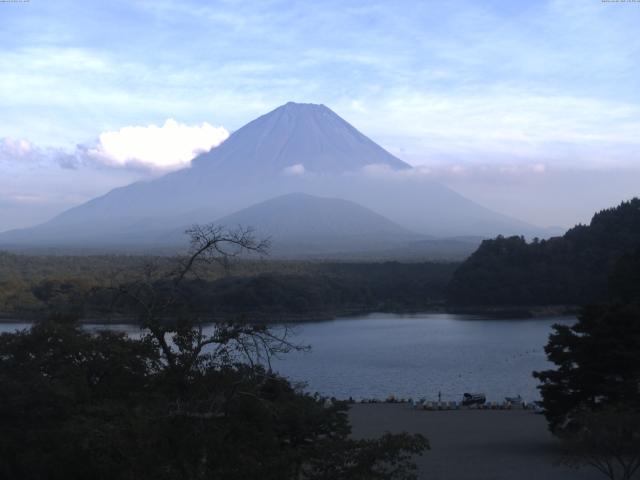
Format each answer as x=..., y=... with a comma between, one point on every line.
x=494, y=97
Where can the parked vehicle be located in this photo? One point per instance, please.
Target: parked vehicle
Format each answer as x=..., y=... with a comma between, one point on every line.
x=469, y=399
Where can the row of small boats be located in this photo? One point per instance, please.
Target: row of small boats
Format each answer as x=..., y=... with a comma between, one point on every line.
x=471, y=400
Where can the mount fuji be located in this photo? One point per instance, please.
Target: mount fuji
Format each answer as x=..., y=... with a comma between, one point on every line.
x=296, y=148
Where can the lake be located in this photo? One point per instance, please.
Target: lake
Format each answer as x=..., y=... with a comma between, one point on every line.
x=420, y=355
x=416, y=355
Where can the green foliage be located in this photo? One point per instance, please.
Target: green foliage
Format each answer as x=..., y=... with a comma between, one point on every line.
x=598, y=358
x=260, y=289
x=598, y=363
x=624, y=283
x=342, y=288
x=68, y=401
x=568, y=270
x=592, y=398
x=104, y=406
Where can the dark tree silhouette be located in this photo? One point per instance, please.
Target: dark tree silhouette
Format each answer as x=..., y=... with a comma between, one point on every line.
x=568, y=270
x=607, y=440
x=592, y=398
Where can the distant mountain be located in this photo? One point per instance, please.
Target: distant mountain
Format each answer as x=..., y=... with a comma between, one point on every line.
x=295, y=148
x=568, y=270
x=299, y=215
x=299, y=224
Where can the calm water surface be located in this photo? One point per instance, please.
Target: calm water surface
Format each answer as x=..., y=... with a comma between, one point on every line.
x=378, y=355
x=420, y=355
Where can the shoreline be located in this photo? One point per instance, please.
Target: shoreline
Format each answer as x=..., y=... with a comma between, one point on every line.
x=516, y=312
x=482, y=312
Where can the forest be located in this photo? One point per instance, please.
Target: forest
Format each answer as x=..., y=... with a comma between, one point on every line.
x=570, y=270
x=31, y=285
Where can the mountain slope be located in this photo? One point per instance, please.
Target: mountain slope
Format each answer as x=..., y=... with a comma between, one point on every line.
x=294, y=148
x=302, y=136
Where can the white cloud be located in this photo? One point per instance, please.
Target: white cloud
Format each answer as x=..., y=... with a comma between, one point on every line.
x=491, y=172
x=297, y=169
x=168, y=147
x=12, y=147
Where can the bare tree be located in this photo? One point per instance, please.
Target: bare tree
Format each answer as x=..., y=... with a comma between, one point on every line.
x=179, y=334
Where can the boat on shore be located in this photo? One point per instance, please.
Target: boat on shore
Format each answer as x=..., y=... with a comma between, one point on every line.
x=469, y=399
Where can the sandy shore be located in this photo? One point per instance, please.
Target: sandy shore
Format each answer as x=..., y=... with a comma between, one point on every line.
x=473, y=444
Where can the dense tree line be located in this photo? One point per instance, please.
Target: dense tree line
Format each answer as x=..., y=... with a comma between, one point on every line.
x=568, y=270
x=295, y=290
x=367, y=287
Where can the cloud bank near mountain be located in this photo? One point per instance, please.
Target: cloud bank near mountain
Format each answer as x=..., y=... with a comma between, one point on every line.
x=38, y=182
x=167, y=147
